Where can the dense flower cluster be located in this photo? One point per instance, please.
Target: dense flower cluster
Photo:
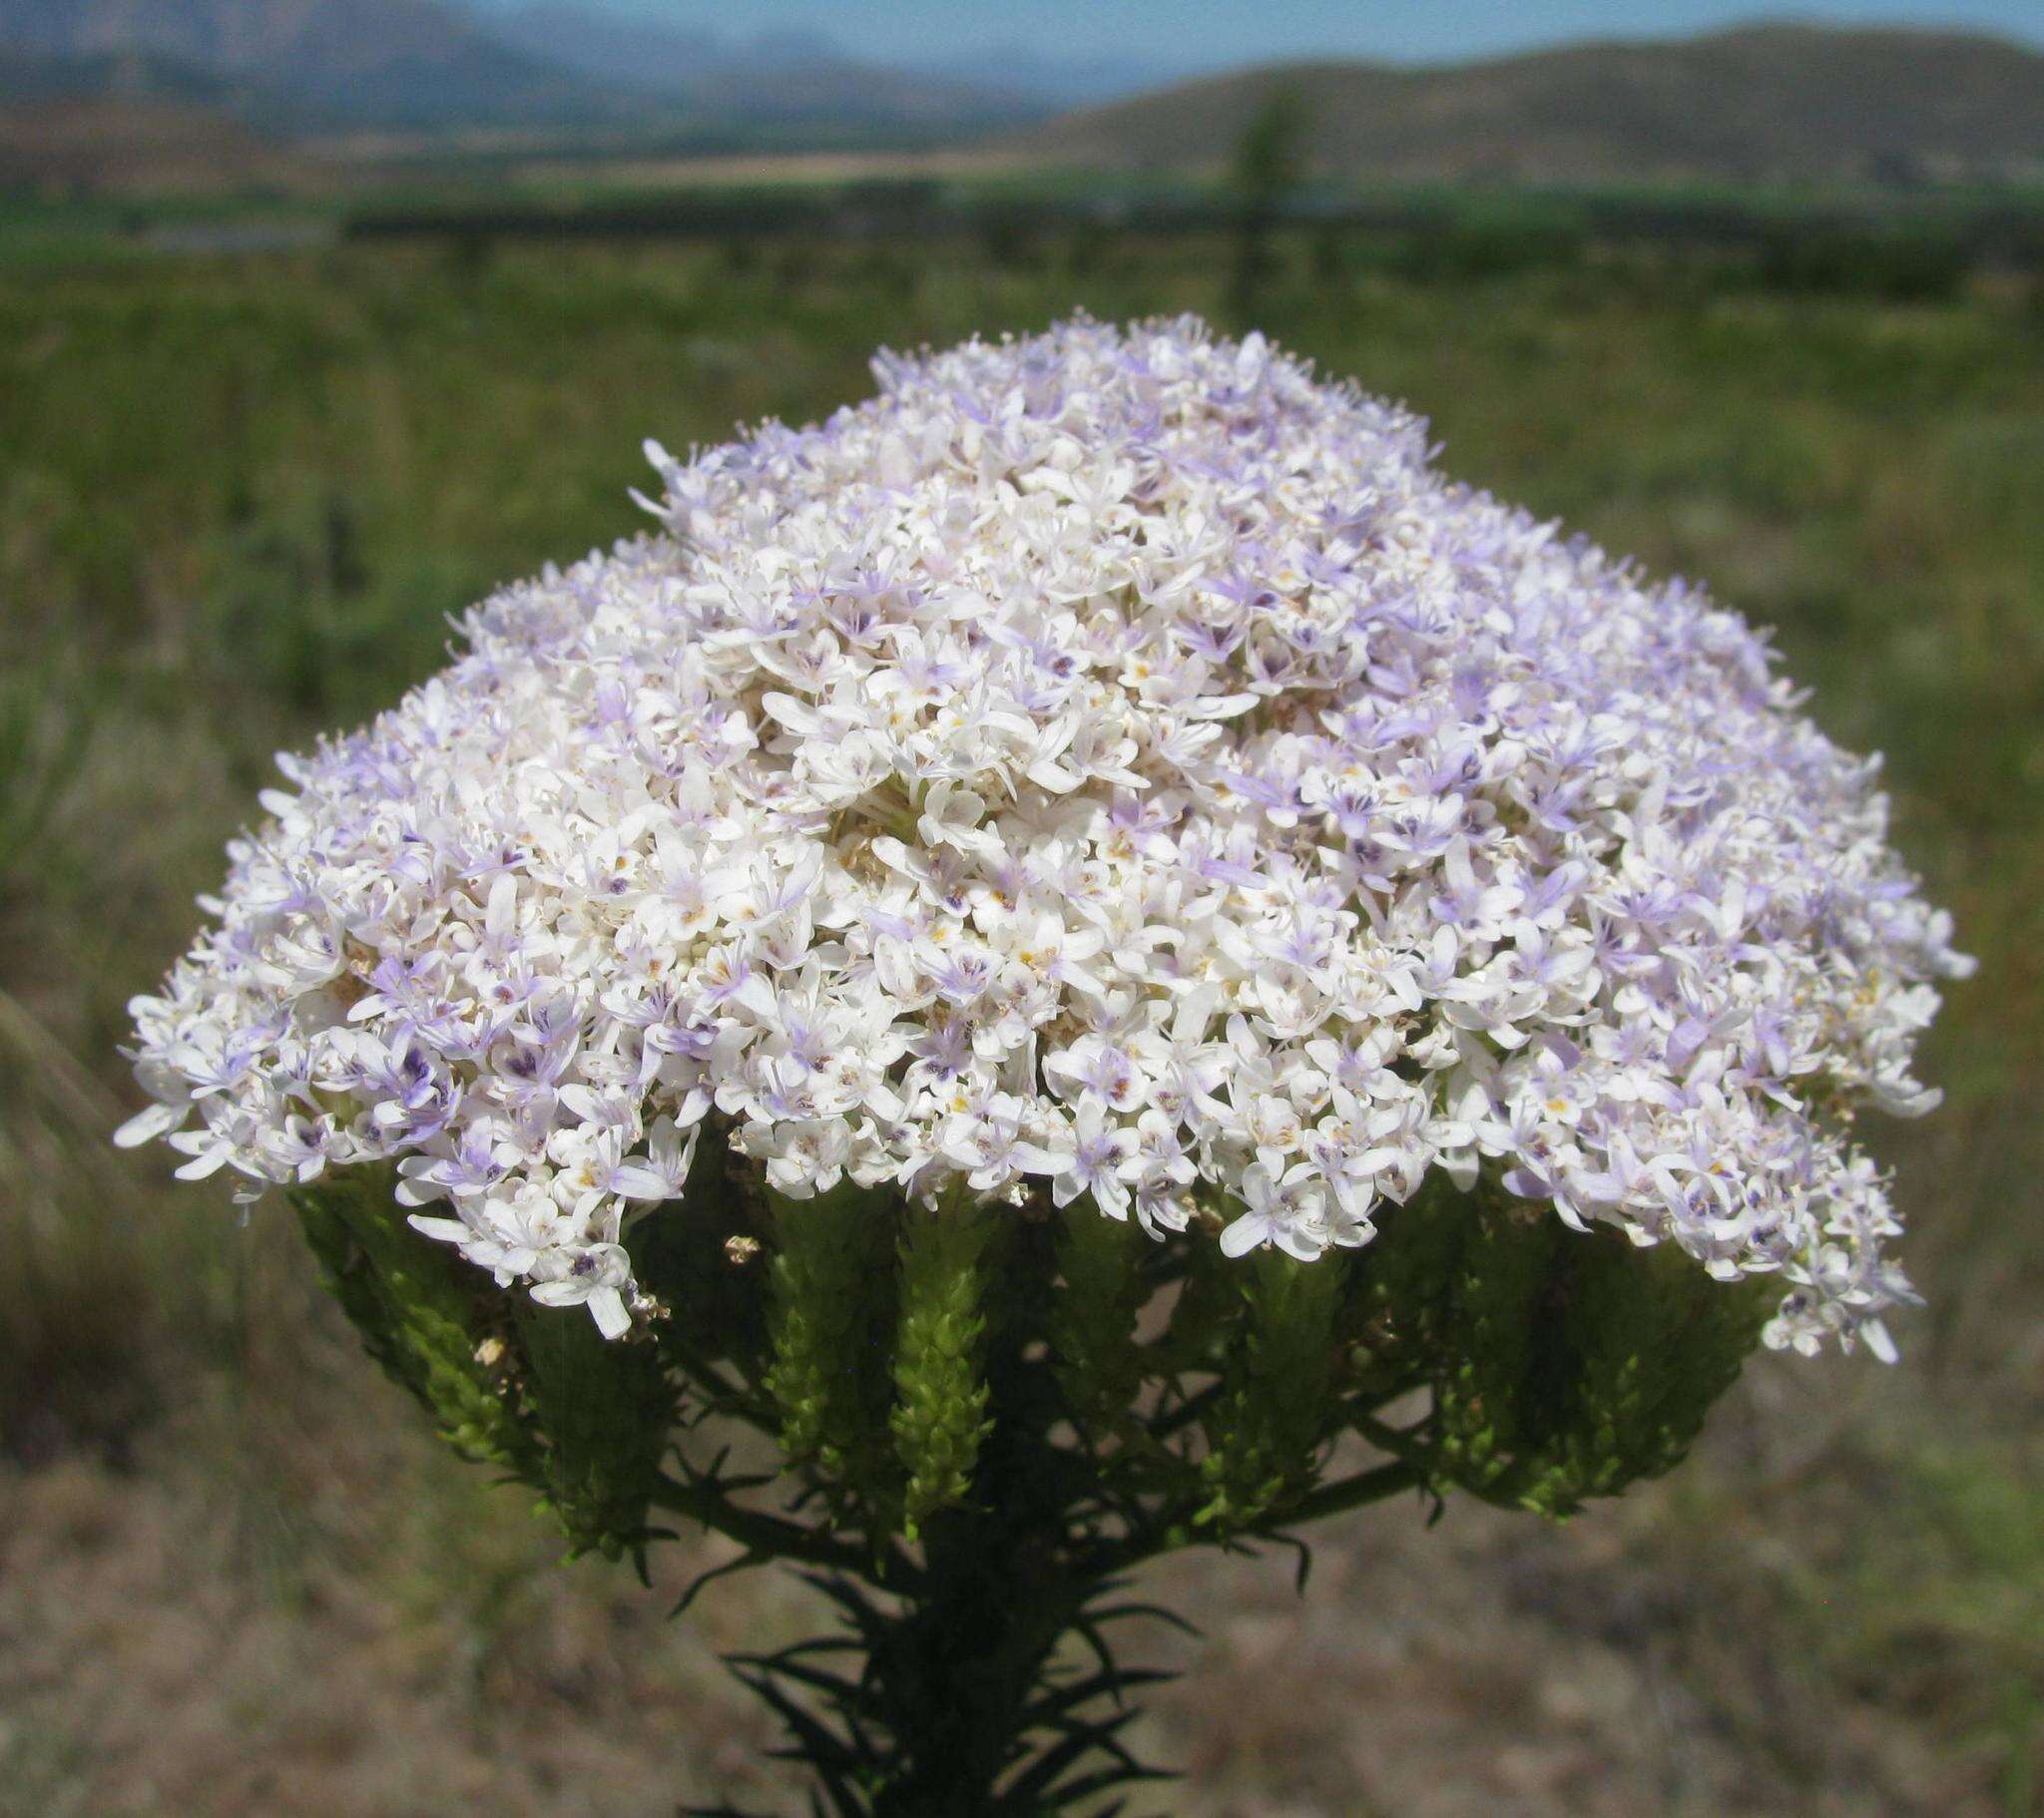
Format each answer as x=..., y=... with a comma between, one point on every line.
x=1110, y=762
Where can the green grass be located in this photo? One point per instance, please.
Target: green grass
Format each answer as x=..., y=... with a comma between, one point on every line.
x=237, y=496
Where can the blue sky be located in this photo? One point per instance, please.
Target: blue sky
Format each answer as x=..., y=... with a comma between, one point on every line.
x=1202, y=34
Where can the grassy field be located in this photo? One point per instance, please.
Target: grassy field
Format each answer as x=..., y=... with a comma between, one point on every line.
x=236, y=497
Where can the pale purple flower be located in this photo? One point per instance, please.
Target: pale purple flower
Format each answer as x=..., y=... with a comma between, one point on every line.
x=1111, y=760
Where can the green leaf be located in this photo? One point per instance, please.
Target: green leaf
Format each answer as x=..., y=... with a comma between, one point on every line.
x=940, y=1409
x=1653, y=1341
x=1265, y=1430
x=605, y=1411
x=698, y=1257
x=1398, y=1309
x=1090, y=1326
x=424, y=1314
x=534, y=1390
x=831, y=1295
x=1573, y=1364
x=1492, y=1398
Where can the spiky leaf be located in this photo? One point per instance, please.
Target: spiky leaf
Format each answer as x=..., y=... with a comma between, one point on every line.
x=605, y=1413
x=1573, y=1364
x=533, y=1390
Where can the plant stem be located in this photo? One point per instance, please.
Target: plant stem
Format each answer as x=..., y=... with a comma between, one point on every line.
x=1365, y=1486
x=956, y=1672
x=768, y=1536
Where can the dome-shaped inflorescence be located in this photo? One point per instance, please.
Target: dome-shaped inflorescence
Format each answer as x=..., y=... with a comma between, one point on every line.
x=1108, y=765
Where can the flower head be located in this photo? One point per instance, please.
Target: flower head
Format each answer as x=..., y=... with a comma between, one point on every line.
x=1111, y=763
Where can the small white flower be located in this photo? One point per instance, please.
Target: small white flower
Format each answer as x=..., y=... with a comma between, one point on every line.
x=663, y=1173
x=1287, y=1209
x=597, y=1279
x=1113, y=761
x=951, y=816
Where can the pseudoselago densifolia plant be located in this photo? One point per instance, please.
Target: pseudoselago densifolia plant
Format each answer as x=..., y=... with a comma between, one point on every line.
x=1109, y=959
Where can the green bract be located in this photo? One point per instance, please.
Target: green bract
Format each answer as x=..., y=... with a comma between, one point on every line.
x=985, y=1418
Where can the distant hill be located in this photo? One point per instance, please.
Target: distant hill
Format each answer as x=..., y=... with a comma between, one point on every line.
x=1039, y=73
x=303, y=64
x=130, y=123
x=28, y=78
x=761, y=84
x=1768, y=101
x=302, y=68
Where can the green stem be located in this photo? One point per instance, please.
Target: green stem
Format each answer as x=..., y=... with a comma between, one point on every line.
x=772, y=1536
x=956, y=1674
x=1357, y=1491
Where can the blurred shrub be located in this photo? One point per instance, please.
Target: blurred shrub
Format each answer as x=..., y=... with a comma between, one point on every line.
x=1011, y=235
x=1269, y=165
x=470, y=253
x=1897, y=266
x=889, y=269
x=45, y=725
x=796, y=270
x=300, y=617
x=1472, y=252
x=1332, y=256
x=1085, y=248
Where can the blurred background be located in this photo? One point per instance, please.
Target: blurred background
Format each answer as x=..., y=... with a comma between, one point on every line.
x=317, y=320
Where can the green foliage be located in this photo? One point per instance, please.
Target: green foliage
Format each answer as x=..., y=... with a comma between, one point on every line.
x=1266, y=168
x=1264, y=1434
x=1649, y=1342
x=701, y=1258
x=429, y=1319
x=940, y=1413
x=1399, y=1318
x=352, y=622
x=885, y=1717
x=1579, y=1363
x=1269, y=155
x=1481, y=250
x=604, y=1413
x=1562, y=1367
x=831, y=1310
x=1209, y=1297
x=978, y=1384
x=536, y=1391
x=1900, y=267
x=45, y=724
x=1495, y=1381
x=1091, y=1322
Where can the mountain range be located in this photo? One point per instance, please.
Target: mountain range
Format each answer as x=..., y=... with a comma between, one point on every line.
x=1801, y=102
x=763, y=83
x=296, y=66
x=1796, y=101
x=310, y=66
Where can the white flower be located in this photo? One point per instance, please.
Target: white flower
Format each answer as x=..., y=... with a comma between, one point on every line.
x=1114, y=762
x=596, y=1277
x=1097, y=1155
x=1287, y=1209
x=664, y=1170
x=951, y=816
x=171, y=1107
